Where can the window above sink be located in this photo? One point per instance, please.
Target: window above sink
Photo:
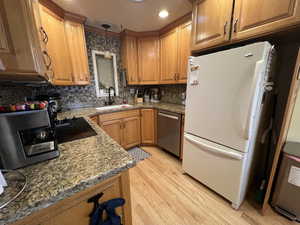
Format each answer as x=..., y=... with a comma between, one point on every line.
x=105, y=73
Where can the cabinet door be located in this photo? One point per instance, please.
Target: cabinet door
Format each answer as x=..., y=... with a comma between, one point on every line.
x=57, y=47
x=255, y=17
x=169, y=57
x=148, y=126
x=77, y=46
x=79, y=210
x=114, y=130
x=20, y=52
x=131, y=132
x=148, y=55
x=211, y=23
x=184, y=49
x=130, y=58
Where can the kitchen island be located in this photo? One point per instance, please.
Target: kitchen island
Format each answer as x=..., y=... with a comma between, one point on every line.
x=58, y=189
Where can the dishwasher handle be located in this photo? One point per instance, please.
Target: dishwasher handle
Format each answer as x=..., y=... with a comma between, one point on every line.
x=168, y=116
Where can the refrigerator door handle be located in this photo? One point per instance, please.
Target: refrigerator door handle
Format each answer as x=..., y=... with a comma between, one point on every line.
x=213, y=149
x=251, y=104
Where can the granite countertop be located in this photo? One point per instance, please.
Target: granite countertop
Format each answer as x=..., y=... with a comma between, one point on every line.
x=81, y=164
x=176, y=108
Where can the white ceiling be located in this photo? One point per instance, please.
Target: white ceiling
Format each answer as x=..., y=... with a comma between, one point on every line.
x=134, y=16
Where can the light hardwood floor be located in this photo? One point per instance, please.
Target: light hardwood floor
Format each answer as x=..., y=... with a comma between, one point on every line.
x=163, y=195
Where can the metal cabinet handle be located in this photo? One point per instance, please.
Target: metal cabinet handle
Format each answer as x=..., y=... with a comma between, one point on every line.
x=49, y=59
x=235, y=25
x=44, y=34
x=168, y=116
x=225, y=28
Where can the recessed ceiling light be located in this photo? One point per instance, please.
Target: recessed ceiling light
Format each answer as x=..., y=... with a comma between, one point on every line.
x=163, y=14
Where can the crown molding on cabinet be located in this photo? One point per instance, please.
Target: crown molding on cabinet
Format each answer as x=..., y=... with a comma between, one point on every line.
x=63, y=13
x=184, y=19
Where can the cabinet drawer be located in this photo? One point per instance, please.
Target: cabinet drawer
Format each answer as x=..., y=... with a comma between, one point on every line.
x=118, y=115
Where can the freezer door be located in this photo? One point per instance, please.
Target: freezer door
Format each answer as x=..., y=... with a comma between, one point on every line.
x=224, y=92
x=216, y=166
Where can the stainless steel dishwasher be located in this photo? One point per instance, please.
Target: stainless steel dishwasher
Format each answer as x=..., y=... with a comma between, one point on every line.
x=168, y=131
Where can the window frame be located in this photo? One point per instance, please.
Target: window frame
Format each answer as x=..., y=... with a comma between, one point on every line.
x=102, y=92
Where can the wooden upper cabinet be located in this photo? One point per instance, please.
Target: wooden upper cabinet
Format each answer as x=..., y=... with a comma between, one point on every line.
x=57, y=47
x=130, y=58
x=255, y=17
x=78, y=53
x=148, y=58
x=169, y=57
x=211, y=23
x=131, y=132
x=184, y=51
x=21, y=56
x=148, y=126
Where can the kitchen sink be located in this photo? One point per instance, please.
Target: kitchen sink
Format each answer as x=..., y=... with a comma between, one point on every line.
x=73, y=129
x=116, y=107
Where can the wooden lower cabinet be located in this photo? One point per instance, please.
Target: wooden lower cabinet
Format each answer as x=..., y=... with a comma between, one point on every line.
x=114, y=130
x=123, y=127
x=76, y=209
x=148, y=126
x=131, y=132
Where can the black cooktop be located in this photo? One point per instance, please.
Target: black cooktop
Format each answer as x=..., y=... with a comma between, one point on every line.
x=73, y=129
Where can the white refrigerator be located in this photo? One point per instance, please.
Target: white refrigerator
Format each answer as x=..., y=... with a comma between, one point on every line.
x=224, y=102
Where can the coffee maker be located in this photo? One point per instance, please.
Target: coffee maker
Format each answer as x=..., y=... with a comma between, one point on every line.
x=26, y=138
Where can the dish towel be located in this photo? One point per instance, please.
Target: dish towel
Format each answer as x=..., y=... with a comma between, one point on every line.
x=110, y=208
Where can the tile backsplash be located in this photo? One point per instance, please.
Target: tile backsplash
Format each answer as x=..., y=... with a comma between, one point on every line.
x=85, y=96
x=14, y=94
